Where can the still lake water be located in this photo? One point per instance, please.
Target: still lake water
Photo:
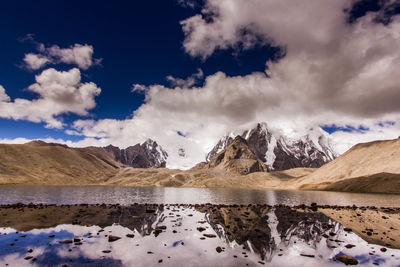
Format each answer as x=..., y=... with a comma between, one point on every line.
x=175, y=235
x=169, y=195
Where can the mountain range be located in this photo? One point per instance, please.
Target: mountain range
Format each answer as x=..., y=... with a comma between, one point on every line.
x=146, y=155
x=280, y=152
x=257, y=158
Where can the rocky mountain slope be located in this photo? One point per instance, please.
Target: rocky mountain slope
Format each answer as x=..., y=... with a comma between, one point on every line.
x=281, y=152
x=146, y=155
x=237, y=158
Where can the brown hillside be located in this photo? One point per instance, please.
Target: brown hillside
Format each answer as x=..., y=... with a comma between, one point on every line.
x=51, y=164
x=367, y=163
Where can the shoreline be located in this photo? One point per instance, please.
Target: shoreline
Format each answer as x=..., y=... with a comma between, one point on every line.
x=203, y=187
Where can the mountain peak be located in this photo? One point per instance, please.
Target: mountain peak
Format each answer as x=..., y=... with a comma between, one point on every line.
x=37, y=143
x=280, y=152
x=149, y=141
x=43, y=143
x=239, y=139
x=146, y=155
x=237, y=158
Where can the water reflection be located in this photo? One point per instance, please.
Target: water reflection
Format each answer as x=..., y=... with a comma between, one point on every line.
x=129, y=195
x=200, y=235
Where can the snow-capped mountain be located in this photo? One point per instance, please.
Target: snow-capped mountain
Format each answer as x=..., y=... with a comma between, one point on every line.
x=281, y=152
x=146, y=155
x=221, y=145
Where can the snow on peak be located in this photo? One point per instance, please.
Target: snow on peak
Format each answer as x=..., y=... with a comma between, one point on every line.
x=280, y=149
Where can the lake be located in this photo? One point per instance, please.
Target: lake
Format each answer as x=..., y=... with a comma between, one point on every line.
x=168, y=195
x=177, y=232
x=181, y=235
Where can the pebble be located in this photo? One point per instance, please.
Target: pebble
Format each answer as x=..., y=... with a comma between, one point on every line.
x=346, y=259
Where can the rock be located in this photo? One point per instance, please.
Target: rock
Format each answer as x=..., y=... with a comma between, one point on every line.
x=346, y=259
x=383, y=249
x=130, y=235
x=209, y=235
x=218, y=249
x=106, y=251
x=157, y=231
x=113, y=238
x=350, y=246
x=307, y=255
x=28, y=258
x=68, y=241
x=201, y=229
x=314, y=207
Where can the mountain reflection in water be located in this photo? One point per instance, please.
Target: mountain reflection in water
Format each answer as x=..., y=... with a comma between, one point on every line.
x=190, y=235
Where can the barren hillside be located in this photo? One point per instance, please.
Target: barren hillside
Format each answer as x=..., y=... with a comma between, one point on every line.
x=366, y=167
x=51, y=164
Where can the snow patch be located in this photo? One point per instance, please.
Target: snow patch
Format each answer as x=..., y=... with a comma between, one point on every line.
x=270, y=155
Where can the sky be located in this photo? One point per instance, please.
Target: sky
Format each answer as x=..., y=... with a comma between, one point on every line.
x=184, y=73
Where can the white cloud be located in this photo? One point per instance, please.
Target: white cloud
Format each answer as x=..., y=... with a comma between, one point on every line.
x=59, y=92
x=77, y=54
x=35, y=61
x=3, y=96
x=188, y=82
x=80, y=55
x=139, y=88
x=82, y=143
x=333, y=72
x=343, y=140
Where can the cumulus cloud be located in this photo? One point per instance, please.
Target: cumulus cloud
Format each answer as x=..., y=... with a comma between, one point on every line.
x=333, y=72
x=3, y=96
x=81, y=143
x=59, y=92
x=188, y=82
x=35, y=61
x=139, y=88
x=77, y=54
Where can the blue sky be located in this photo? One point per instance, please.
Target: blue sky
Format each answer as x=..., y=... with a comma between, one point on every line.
x=201, y=69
